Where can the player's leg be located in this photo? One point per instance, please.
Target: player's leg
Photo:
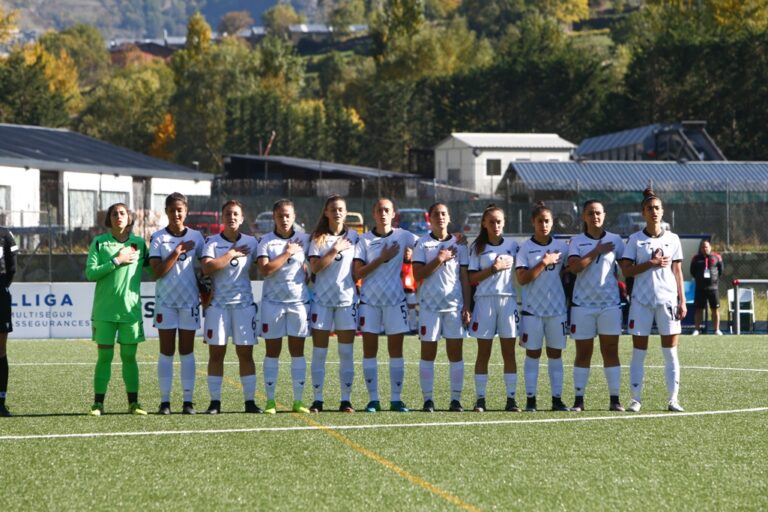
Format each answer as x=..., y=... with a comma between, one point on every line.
x=483, y=327
x=506, y=325
x=639, y=326
x=4, y=412
x=609, y=328
x=395, y=326
x=322, y=323
x=129, y=335
x=188, y=369
x=297, y=328
x=103, y=333
x=371, y=326
x=669, y=329
x=273, y=326
x=532, y=339
x=583, y=331
x=429, y=332
x=345, y=323
x=165, y=362
x=555, y=330
x=454, y=348
x=217, y=322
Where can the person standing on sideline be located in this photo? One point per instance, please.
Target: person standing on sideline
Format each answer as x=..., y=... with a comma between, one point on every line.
x=654, y=258
x=8, y=250
x=227, y=257
x=173, y=251
x=115, y=261
x=706, y=269
x=334, y=305
x=596, y=306
x=383, y=308
x=539, y=266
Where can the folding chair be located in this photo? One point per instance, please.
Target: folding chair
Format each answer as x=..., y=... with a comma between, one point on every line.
x=746, y=308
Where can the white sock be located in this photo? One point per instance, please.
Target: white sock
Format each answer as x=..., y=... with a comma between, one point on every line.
x=371, y=375
x=318, y=371
x=165, y=376
x=427, y=378
x=346, y=369
x=636, y=373
x=580, y=380
x=481, y=383
x=249, y=386
x=510, y=382
x=555, y=367
x=457, y=379
x=413, y=319
x=298, y=376
x=671, y=372
x=396, y=376
x=188, y=369
x=214, y=386
x=531, y=373
x=613, y=378
x=271, y=367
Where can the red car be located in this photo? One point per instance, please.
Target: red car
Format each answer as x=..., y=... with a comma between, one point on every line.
x=208, y=223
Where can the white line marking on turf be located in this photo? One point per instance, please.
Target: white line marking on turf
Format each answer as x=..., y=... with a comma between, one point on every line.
x=628, y=416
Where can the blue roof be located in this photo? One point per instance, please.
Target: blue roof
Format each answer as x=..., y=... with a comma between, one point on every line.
x=637, y=175
x=620, y=139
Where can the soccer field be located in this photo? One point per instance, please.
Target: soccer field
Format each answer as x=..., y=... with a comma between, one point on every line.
x=712, y=457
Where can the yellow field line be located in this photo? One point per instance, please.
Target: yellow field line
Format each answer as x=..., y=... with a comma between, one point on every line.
x=437, y=491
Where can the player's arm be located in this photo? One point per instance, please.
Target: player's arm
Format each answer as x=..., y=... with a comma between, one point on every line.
x=677, y=270
x=578, y=263
x=422, y=271
x=320, y=263
x=9, y=252
x=526, y=275
x=466, y=293
x=96, y=270
x=160, y=266
x=212, y=265
x=267, y=267
x=631, y=269
x=362, y=269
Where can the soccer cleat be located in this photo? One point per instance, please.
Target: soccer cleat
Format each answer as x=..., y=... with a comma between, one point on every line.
x=616, y=407
x=530, y=404
x=298, y=406
x=317, y=406
x=578, y=404
x=718, y=332
x=164, y=409
x=429, y=406
x=634, y=406
x=558, y=405
x=479, y=405
x=252, y=408
x=97, y=409
x=373, y=406
x=455, y=406
x=511, y=405
x=214, y=408
x=135, y=409
x=270, y=408
x=4, y=412
x=695, y=332
x=398, y=406
x=674, y=406
x=346, y=406
x=188, y=408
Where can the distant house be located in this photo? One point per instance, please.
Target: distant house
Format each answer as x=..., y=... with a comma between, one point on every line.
x=58, y=177
x=687, y=140
x=476, y=161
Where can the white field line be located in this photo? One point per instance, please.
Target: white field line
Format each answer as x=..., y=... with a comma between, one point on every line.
x=622, y=417
x=385, y=363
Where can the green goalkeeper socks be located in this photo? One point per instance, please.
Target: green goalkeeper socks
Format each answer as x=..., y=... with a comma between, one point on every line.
x=103, y=370
x=130, y=367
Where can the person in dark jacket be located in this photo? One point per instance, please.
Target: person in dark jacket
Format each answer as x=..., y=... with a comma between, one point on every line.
x=706, y=269
x=8, y=250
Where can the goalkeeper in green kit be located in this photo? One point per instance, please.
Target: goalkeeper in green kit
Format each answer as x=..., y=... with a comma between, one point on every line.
x=115, y=262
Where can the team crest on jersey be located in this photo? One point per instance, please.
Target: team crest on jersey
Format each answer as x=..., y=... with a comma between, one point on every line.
x=209, y=334
x=525, y=337
x=423, y=330
x=314, y=318
x=573, y=328
x=631, y=324
x=264, y=327
x=475, y=326
x=159, y=318
x=362, y=321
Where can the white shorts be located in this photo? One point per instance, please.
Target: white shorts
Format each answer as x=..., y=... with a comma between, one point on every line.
x=326, y=318
x=279, y=319
x=185, y=319
x=534, y=329
x=641, y=319
x=384, y=319
x=494, y=315
x=434, y=325
x=588, y=322
x=238, y=322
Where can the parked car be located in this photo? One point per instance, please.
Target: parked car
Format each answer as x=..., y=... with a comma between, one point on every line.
x=628, y=223
x=208, y=223
x=355, y=221
x=263, y=223
x=565, y=215
x=415, y=220
x=472, y=223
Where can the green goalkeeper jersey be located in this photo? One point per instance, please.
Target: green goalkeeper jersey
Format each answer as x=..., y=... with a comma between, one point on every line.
x=118, y=288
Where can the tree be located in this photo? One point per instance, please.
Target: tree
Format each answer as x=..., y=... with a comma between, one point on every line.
x=235, y=21
x=279, y=18
x=491, y=18
x=165, y=135
x=346, y=13
x=7, y=24
x=26, y=95
x=60, y=71
x=85, y=45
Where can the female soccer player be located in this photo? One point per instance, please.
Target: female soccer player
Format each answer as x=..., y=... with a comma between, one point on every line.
x=539, y=265
x=172, y=254
x=595, y=308
x=115, y=261
x=491, y=261
x=440, y=262
x=334, y=306
x=8, y=250
x=378, y=259
x=653, y=257
x=227, y=257
x=285, y=301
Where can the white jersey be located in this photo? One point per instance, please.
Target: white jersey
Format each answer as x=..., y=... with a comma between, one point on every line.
x=656, y=285
x=289, y=283
x=178, y=287
x=544, y=296
x=383, y=286
x=441, y=291
x=596, y=285
x=334, y=285
x=231, y=284
x=499, y=284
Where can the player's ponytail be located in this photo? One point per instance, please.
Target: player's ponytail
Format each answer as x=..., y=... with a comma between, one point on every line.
x=482, y=238
x=538, y=208
x=648, y=195
x=323, y=226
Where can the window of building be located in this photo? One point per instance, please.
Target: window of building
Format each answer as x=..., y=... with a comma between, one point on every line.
x=82, y=208
x=454, y=177
x=493, y=167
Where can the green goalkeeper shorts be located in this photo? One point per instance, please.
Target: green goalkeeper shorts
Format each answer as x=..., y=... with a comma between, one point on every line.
x=103, y=333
